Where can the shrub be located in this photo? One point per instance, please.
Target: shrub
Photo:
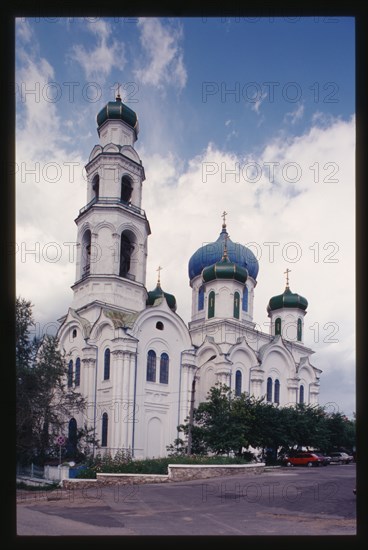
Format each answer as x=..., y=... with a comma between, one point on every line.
x=122, y=463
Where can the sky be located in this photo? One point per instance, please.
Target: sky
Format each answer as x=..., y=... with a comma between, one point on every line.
x=254, y=116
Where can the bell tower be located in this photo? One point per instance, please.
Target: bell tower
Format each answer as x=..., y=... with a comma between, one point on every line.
x=112, y=227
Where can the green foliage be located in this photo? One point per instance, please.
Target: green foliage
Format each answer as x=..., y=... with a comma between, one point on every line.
x=122, y=463
x=43, y=403
x=228, y=424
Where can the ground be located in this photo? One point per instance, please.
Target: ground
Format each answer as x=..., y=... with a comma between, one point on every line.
x=284, y=501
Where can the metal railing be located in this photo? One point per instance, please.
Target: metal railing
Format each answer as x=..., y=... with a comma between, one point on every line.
x=112, y=200
x=30, y=470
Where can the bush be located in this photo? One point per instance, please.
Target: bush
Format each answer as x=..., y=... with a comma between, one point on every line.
x=122, y=463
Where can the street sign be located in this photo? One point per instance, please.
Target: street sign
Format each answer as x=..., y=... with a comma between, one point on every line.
x=60, y=440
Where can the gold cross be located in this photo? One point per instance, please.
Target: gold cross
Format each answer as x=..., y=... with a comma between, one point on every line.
x=287, y=276
x=159, y=269
x=223, y=216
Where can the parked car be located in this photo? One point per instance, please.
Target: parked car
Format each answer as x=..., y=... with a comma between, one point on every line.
x=341, y=458
x=325, y=458
x=304, y=459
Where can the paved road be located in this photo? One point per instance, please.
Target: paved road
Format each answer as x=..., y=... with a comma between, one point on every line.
x=286, y=501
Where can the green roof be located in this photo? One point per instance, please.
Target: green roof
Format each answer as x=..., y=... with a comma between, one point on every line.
x=153, y=295
x=117, y=110
x=224, y=269
x=287, y=299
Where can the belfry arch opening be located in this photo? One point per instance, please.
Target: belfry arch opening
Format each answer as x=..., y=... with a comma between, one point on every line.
x=86, y=254
x=126, y=189
x=127, y=246
x=96, y=186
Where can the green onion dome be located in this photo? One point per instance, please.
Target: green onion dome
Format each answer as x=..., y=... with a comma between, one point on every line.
x=158, y=293
x=117, y=110
x=287, y=299
x=225, y=269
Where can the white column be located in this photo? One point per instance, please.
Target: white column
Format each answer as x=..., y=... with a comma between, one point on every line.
x=125, y=400
x=184, y=397
x=223, y=376
x=256, y=379
x=292, y=394
x=130, y=401
x=117, y=376
x=115, y=253
x=86, y=373
x=95, y=257
x=313, y=393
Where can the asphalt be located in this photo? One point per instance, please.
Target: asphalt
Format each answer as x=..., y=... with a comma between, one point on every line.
x=296, y=501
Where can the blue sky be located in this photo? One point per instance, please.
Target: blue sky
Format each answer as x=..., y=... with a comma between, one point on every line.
x=213, y=96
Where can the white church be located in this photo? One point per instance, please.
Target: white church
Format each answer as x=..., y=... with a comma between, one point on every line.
x=128, y=352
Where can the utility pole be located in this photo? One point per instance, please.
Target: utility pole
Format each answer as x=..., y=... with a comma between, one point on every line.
x=191, y=410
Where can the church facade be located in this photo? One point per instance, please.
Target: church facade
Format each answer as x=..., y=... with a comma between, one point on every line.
x=128, y=352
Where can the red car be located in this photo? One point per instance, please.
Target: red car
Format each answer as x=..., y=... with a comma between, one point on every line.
x=304, y=459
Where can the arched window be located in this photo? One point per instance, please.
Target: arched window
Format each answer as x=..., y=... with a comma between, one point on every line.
x=299, y=330
x=107, y=364
x=96, y=186
x=164, y=368
x=211, y=304
x=70, y=374
x=72, y=432
x=301, y=394
x=160, y=325
x=245, y=299
x=126, y=249
x=238, y=382
x=74, y=333
x=277, y=392
x=151, y=366
x=77, y=372
x=269, y=390
x=105, y=425
x=278, y=326
x=236, y=305
x=200, y=298
x=86, y=253
x=126, y=189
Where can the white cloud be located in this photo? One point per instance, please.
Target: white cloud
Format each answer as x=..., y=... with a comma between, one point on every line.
x=49, y=192
x=294, y=116
x=164, y=63
x=98, y=62
x=289, y=224
x=255, y=106
x=23, y=30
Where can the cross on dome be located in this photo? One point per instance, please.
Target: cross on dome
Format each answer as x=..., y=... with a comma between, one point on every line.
x=287, y=276
x=223, y=216
x=118, y=91
x=159, y=269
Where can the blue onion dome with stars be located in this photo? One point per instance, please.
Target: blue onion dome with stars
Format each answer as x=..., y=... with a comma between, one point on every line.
x=153, y=295
x=287, y=299
x=210, y=253
x=117, y=110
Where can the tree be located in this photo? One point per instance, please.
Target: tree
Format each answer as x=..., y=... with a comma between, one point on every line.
x=341, y=432
x=221, y=424
x=226, y=423
x=43, y=400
